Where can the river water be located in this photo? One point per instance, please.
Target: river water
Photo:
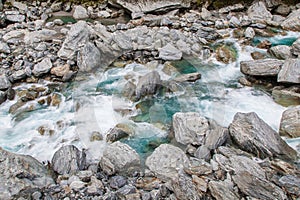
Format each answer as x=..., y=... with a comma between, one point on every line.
x=94, y=102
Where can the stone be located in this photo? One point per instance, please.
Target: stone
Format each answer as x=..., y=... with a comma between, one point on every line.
x=42, y=67
x=77, y=185
x=281, y=52
x=61, y=70
x=169, y=52
x=283, y=9
x=198, y=167
x=291, y=184
x=80, y=13
x=183, y=47
x=216, y=137
x=118, y=132
x=190, y=128
x=68, y=159
x=290, y=122
x=120, y=158
x=89, y=58
x=15, y=18
x=4, y=82
x=148, y=84
x=292, y=21
x=20, y=172
x=15, y=34
x=122, y=40
x=286, y=96
x=258, y=11
x=103, y=14
x=117, y=182
x=225, y=54
x=264, y=67
x=205, y=14
x=4, y=48
x=296, y=48
x=235, y=7
x=290, y=71
x=20, y=6
x=166, y=160
x=192, y=77
x=258, y=55
x=3, y=97
x=252, y=134
x=234, y=22
x=220, y=190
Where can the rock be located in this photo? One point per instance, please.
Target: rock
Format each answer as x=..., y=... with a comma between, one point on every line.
x=216, y=137
x=15, y=18
x=42, y=67
x=183, y=47
x=249, y=33
x=89, y=58
x=203, y=152
x=4, y=48
x=169, y=52
x=15, y=34
x=282, y=10
x=122, y=40
x=166, y=160
x=234, y=22
x=252, y=134
x=120, y=158
x=77, y=36
x=39, y=36
x=118, y=132
x=281, y=52
x=61, y=70
x=148, y=84
x=220, y=190
x=80, y=13
x=137, y=8
x=20, y=172
x=266, y=44
x=291, y=184
x=3, y=97
x=190, y=128
x=77, y=185
x=286, y=96
x=117, y=182
x=4, y=82
x=258, y=11
x=290, y=122
x=292, y=21
x=290, y=71
x=235, y=7
x=245, y=82
x=205, y=14
x=257, y=187
x=103, y=14
x=11, y=93
x=192, y=77
x=257, y=55
x=198, y=167
x=265, y=67
x=68, y=159
x=226, y=54
x=20, y=6
x=296, y=48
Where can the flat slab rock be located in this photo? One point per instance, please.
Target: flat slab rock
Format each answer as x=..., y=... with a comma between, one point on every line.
x=290, y=71
x=265, y=67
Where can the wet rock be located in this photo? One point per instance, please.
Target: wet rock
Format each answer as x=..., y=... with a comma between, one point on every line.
x=234, y=22
x=3, y=97
x=290, y=122
x=4, y=48
x=80, y=13
x=4, y=82
x=257, y=55
x=291, y=184
x=42, y=67
x=252, y=134
x=11, y=93
x=166, y=160
x=120, y=158
x=68, y=159
x=266, y=44
x=286, y=96
x=129, y=90
x=148, y=84
x=290, y=71
x=258, y=11
x=89, y=58
x=292, y=21
x=220, y=190
x=296, y=48
x=192, y=77
x=118, y=132
x=169, y=52
x=265, y=67
x=19, y=172
x=96, y=136
x=281, y=52
x=245, y=82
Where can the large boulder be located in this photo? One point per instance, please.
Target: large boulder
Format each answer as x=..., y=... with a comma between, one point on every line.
x=258, y=11
x=166, y=160
x=190, y=128
x=290, y=71
x=265, y=67
x=281, y=52
x=68, y=159
x=120, y=158
x=290, y=122
x=169, y=52
x=286, y=96
x=148, y=84
x=4, y=82
x=292, y=21
x=89, y=58
x=42, y=67
x=252, y=134
x=20, y=172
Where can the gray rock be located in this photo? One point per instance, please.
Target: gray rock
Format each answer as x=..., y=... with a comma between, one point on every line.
x=252, y=134
x=117, y=133
x=205, y=14
x=258, y=11
x=203, y=152
x=169, y=52
x=80, y=13
x=290, y=122
x=20, y=6
x=42, y=67
x=68, y=159
x=283, y=9
x=20, y=172
x=39, y=36
x=192, y=77
x=286, y=96
x=290, y=71
x=166, y=160
x=234, y=22
x=122, y=40
x=4, y=82
x=15, y=18
x=292, y=21
x=291, y=184
x=235, y=7
x=296, y=48
x=18, y=75
x=3, y=97
x=89, y=58
x=221, y=191
x=77, y=37
x=265, y=67
x=77, y=185
x=190, y=128
x=120, y=158
x=198, y=167
x=15, y=34
x=4, y=48
x=148, y=84
x=117, y=182
x=1, y=5
x=216, y=137
x=183, y=47
x=281, y=52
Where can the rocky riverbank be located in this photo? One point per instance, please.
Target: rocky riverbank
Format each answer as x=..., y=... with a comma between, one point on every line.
x=48, y=45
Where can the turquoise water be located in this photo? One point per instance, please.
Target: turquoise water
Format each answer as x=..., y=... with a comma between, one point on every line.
x=275, y=41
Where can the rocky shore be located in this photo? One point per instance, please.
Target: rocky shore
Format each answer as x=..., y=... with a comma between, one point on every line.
x=47, y=45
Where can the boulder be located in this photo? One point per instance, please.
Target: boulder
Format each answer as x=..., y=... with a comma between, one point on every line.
x=80, y=13
x=296, y=48
x=118, y=132
x=4, y=82
x=265, y=67
x=258, y=11
x=3, y=97
x=39, y=36
x=190, y=128
x=281, y=52
x=42, y=67
x=61, y=70
x=286, y=96
x=291, y=184
x=252, y=134
x=290, y=71
x=89, y=58
x=290, y=122
x=292, y=21
x=15, y=18
x=220, y=190
x=148, y=84
x=166, y=160
x=192, y=77
x=4, y=48
x=120, y=158
x=20, y=172
x=169, y=52
x=68, y=160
